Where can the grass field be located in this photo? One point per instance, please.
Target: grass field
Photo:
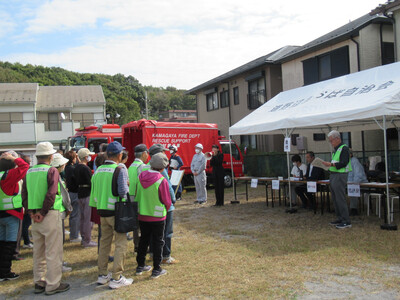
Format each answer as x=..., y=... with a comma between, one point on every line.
x=247, y=251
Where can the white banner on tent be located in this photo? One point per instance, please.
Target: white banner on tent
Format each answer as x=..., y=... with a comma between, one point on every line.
x=286, y=145
x=357, y=96
x=254, y=183
x=353, y=190
x=311, y=187
x=275, y=184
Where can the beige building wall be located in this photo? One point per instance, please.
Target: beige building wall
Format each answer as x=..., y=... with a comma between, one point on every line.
x=273, y=85
x=292, y=71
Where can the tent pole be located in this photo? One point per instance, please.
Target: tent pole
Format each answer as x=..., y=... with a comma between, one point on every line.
x=290, y=210
x=234, y=201
x=387, y=224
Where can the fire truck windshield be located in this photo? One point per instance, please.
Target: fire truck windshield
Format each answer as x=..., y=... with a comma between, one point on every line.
x=76, y=143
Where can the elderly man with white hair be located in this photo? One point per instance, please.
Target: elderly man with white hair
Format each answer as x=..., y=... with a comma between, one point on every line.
x=340, y=166
x=198, y=167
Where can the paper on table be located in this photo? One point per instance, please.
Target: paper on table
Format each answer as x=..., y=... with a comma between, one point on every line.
x=317, y=162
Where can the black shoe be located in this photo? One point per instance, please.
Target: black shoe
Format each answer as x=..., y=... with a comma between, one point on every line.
x=158, y=273
x=334, y=223
x=63, y=287
x=39, y=289
x=343, y=225
x=9, y=276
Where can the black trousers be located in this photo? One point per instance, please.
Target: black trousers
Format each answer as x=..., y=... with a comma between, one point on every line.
x=219, y=188
x=154, y=232
x=306, y=198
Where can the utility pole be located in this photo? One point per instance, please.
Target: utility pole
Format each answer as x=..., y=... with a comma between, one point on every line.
x=147, y=110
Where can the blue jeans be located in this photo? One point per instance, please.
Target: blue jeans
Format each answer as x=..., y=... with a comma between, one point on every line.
x=168, y=231
x=9, y=227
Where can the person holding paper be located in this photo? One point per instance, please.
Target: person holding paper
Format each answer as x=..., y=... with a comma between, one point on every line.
x=175, y=163
x=356, y=175
x=339, y=167
x=312, y=174
x=218, y=174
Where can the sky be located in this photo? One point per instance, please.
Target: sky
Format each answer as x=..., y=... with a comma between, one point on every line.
x=179, y=43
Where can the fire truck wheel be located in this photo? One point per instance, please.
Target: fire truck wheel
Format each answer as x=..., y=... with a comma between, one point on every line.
x=228, y=179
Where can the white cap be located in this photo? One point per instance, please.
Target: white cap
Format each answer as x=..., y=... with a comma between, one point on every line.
x=199, y=146
x=58, y=160
x=84, y=152
x=45, y=148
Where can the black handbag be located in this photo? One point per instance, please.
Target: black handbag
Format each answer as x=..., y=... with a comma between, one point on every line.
x=126, y=215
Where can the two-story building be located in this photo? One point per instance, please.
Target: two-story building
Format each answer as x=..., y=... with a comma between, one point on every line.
x=366, y=42
x=178, y=115
x=30, y=113
x=226, y=99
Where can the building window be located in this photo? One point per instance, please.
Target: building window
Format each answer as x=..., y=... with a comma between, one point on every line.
x=319, y=137
x=224, y=99
x=387, y=53
x=294, y=139
x=5, y=122
x=256, y=96
x=84, y=119
x=249, y=141
x=329, y=65
x=212, y=101
x=236, y=95
x=54, y=123
x=346, y=138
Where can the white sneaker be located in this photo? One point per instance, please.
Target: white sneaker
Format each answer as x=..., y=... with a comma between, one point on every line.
x=104, y=279
x=77, y=240
x=66, y=269
x=29, y=246
x=116, y=284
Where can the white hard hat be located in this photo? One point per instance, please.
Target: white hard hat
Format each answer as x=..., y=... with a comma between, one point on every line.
x=199, y=146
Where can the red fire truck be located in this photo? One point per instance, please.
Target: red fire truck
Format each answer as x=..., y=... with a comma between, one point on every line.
x=92, y=137
x=185, y=136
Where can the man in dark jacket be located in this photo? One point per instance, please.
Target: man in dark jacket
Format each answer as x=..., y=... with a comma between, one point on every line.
x=312, y=174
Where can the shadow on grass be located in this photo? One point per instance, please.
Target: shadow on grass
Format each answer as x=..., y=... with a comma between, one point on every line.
x=272, y=232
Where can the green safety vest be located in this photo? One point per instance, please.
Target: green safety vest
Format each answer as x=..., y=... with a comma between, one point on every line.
x=9, y=202
x=101, y=195
x=133, y=177
x=36, y=185
x=148, y=201
x=336, y=159
x=59, y=197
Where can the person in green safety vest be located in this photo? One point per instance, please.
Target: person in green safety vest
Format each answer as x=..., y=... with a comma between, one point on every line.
x=59, y=163
x=154, y=201
x=12, y=170
x=40, y=198
x=137, y=166
x=339, y=168
x=109, y=184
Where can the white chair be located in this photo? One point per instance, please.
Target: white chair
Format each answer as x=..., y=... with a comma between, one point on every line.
x=378, y=199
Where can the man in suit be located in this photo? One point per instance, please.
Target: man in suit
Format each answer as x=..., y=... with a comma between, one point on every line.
x=312, y=174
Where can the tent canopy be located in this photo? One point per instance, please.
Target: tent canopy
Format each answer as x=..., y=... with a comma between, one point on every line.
x=352, y=101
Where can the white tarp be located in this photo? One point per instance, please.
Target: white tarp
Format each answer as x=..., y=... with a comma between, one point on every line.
x=357, y=96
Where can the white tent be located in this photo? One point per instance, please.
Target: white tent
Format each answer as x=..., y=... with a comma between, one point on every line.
x=351, y=100
x=358, y=101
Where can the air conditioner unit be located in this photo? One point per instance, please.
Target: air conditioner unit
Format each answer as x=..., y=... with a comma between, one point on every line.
x=301, y=142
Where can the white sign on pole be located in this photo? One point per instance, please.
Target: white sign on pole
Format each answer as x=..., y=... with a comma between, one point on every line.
x=176, y=177
x=353, y=190
x=254, y=183
x=311, y=187
x=286, y=146
x=275, y=184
